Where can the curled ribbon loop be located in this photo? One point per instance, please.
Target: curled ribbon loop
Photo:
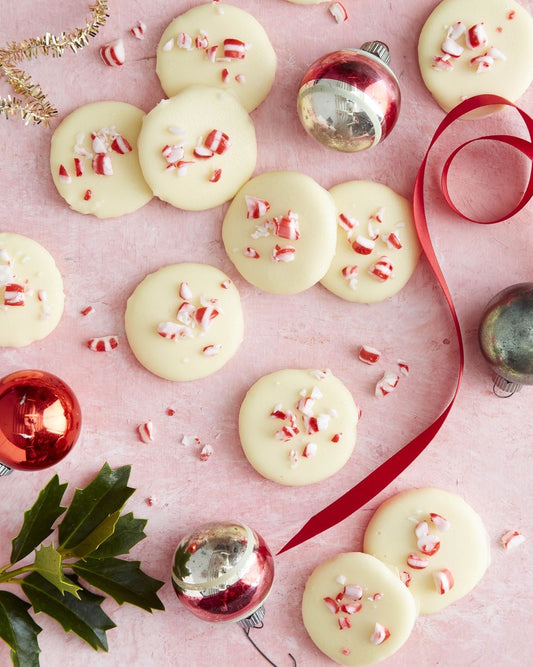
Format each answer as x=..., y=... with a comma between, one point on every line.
x=388, y=471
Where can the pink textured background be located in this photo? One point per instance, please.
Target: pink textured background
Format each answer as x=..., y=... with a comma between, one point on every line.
x=484, y=450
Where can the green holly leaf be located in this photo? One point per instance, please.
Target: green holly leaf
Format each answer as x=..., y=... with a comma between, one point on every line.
x=19, y=630
x=128, y=532
x=83, y=616
x=105, y=495
x=48, y=563
x=39, y=520
x=94, y=539
x=121, y=579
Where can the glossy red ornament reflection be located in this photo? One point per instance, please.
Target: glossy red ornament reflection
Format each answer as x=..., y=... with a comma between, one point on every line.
x=223, y=572
x=349, y=100
x=40, y=420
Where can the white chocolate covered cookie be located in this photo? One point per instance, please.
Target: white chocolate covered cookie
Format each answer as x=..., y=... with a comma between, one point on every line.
x=377, y=246
x=184, y=321
x=94, y=160
x=31, y=291
x=197, y=148
x=475, y=47
x=280, y=231
x=434, y=540
x=298, y=426
x=356, y=610
x=217, y=45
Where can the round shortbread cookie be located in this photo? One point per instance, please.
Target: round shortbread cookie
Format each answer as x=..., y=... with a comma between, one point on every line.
x=356, y=610
x=434, y=540
x=184, y=321
x=298, y=427
x=493, y=45
x=31, y=291
x=94, y=160
x=280, y=231
x=197, y=148
x=217, y=45
x=377, y=245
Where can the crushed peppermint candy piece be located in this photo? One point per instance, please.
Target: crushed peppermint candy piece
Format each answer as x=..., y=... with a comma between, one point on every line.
x=285, y=254
x=451, y=48
x=348, y=223
x=215, y=175
x=138, y=30
x=287, y=226
x=121, y=145
x=439, y=521
x=417, y=562
x=185, y=291
x=173, y=152
x=188, y=440
x=86, y=311
x=206, y=452
x=184, y=41
x=114, y=53
x=64, y=176
x=512, y=539
x=369, y=355
x=442, y=63
x=443, y=580
x=382, y=269
x=338, y=11
x=428, y=544
x=146, y=431
x=406, y=578
x=403, y=367
x=380, y=634
x=234, y=49
x=251, y=252
x=363, y=245
x=217, y=141
x=476, y=36
x=14, y=295
x=103, y=343
x=211, y=350
x=172, y=330
x=310, y=450
x=102, y=165
x=387, y=384
x=255, y=207
x=344, y=623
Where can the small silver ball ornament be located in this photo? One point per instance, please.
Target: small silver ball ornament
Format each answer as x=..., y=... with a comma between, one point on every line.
x=506, y=338
x=349, y=100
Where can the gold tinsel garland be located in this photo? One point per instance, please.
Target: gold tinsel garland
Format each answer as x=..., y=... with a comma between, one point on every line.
x=32, y=106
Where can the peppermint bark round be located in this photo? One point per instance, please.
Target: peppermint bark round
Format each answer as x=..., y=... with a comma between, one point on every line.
x=184, y=322
x=377, y=246
x=31, y=291
x=356, y=610
x=297, y=426
x=280, y=231
x=476, y=47
x=434, y=540
x=217, y=45
x=197, y=148
x=94, y=160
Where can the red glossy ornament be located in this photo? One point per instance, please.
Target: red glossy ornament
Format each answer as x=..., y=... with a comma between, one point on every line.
x=349, y=100
x=40, y=420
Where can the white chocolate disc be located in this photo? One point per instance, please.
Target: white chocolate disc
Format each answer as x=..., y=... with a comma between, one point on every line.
x=217, y=45
x=509, y=30
x=290, y=245
x=77, y=160
x=397, y=535
x=197, y=311
x=31, y=291
x=356, y=610
x=298, y=426
x=175, y=153
x=371, y=219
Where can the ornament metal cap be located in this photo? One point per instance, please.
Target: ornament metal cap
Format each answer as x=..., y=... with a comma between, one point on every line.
x=504, y=388
x=5, y=470
x=379, y=49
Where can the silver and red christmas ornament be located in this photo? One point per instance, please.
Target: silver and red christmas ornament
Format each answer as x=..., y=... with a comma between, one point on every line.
x=223, y=571
x=40, y=420
x=350, y=100
x=506, y=338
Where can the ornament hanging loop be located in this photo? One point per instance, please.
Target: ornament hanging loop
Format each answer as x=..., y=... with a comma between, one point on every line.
x=255, y=620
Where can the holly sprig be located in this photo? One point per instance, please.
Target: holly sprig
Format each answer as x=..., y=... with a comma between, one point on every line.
x=91, y=536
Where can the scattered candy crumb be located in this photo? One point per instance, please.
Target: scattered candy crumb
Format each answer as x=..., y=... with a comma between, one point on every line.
x=206, y=452
x=87, y=311
x=338, y=11
x=114, y=53
x=146, y=431
x=512, y=539
x=103, y=343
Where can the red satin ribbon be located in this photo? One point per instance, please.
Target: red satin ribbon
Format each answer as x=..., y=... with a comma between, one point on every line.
x=388, y=471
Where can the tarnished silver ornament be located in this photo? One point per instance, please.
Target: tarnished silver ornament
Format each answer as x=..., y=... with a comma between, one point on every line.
x=349, y=100
x=506, y=338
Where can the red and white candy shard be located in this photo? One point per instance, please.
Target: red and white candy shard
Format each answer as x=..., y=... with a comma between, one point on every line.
x=443, y=580
x=450, y=47
x=202, y=152
x=64, y=176
x=186, y=313
x=310, y=450
x=251, y=252
x=380, y=634
x=344, y=623
x=102, y=165
x=392, y=240
x=363, y=245
x=212, y=350
x=138, y=30
x=369, y=355
x=114, y=54
x=172, y=330
x=476, y=36
x=442, y=63
x=338, y=11
x=173, y=152
x=512, y=539
x=286, y=254
x=86, y=311
x=217, y=141
x=387, y=384
x=184, y=41
x=353, y=592
x=205, y=316
x=215, y=175
x=406, y=578
x=421, y=529
x=293, y=458
x=121, y=145
x=185, y=291
x=428, y=544
x=201, y=41
x=382, y=269
x=255, y=207
x=146, y=431
x=332, y=605
x=234, y=49
x=103, y=343
x=78, y=167
x=456, y=30
x=439, y=521
x=348, y=223
x=206, y=452
x=403, y=367
x=287, y=226
x=482, y=63
x=417, y=562
x=14, y=295
x=351, y=608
